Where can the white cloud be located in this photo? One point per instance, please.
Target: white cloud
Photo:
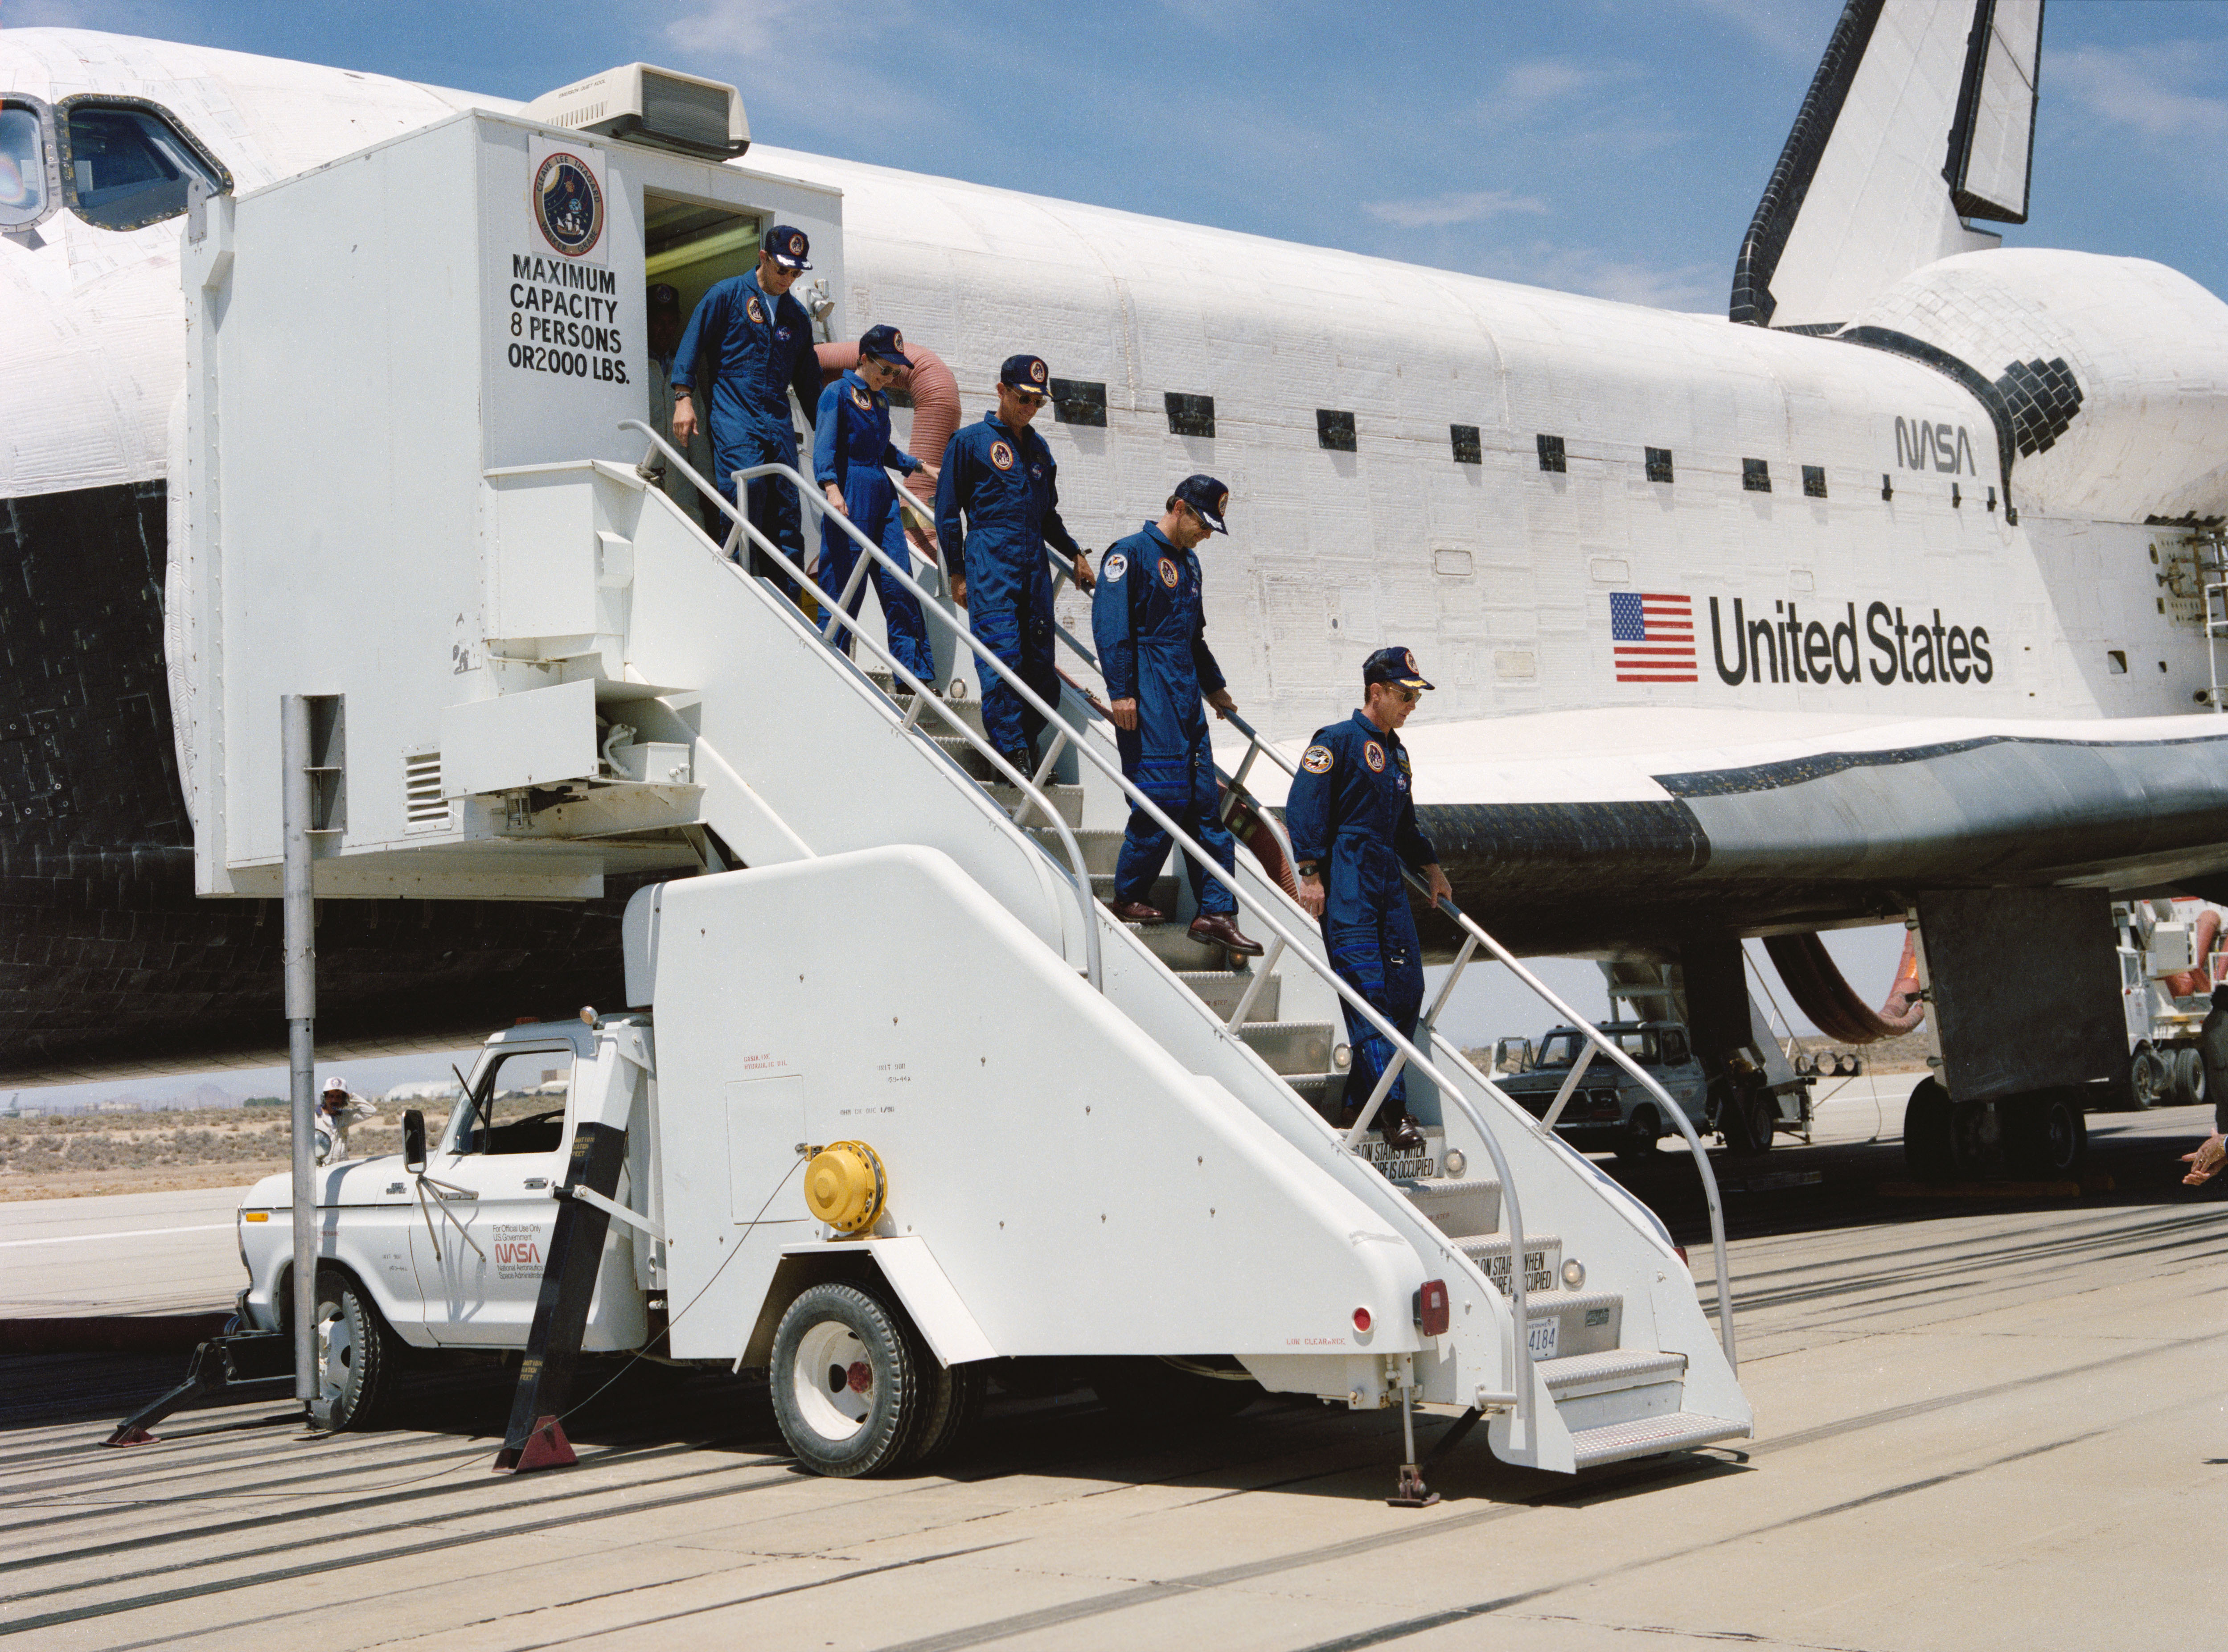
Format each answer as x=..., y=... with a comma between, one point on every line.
x=2153, y=89
x=1437, y=212
x=1796, y=32
x=1694, y=287
x=1541, y=84
x=745, y=28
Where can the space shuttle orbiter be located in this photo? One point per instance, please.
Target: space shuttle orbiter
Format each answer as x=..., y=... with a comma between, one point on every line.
x=1889, y=588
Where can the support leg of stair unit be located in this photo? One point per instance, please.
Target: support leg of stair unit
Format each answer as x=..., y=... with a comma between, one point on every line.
x=1411, y=1492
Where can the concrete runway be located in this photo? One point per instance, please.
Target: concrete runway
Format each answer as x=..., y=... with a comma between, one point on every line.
x=1981, y=1423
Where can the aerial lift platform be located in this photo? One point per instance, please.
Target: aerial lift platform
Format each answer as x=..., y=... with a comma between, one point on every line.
x=894, y=1095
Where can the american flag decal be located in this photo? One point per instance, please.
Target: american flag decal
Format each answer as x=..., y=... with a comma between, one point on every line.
x=1654, y=635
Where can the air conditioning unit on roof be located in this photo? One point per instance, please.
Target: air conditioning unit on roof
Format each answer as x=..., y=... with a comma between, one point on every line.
x=641, y=103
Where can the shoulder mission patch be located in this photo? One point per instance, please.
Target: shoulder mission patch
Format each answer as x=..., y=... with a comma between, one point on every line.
x=1317, y=759
x=1116, y=568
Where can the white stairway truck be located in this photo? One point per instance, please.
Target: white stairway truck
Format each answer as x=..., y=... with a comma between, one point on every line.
x=893, y=1095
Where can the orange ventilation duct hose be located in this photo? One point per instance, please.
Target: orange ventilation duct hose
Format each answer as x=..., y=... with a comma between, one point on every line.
x=2195, y=984
x=1823, y=995
x=935, y=391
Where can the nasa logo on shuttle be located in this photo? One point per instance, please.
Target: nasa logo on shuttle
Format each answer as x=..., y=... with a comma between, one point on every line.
x=1169, y=574
x=1001, y=456
x=1374, y=755
x=568, y=204
x=1317, y=760
x=1118, y=566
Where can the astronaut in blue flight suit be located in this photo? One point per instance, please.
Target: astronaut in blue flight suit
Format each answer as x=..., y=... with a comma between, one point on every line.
x=851, y=447
x=761, y=344
x=1351, y=815
x=1000, y=475
x=1151, y=633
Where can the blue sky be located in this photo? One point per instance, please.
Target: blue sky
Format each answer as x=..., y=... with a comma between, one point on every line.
x=1612, y=149
x=1604, y=147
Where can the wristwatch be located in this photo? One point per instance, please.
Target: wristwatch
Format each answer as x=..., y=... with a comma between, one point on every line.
x=1307, y=868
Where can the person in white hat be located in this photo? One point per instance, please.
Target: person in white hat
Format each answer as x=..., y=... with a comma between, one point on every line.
x=337, y=1108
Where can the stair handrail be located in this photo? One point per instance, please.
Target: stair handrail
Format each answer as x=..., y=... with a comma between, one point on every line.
x=1602, y=1042
x=1079, y=874
x=1521, y=1349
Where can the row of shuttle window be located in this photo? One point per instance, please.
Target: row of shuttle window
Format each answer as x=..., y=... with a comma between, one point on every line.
x=1081, y=401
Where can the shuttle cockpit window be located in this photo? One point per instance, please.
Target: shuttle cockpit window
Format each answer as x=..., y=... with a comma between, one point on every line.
x=22, y=166
x=125, y=165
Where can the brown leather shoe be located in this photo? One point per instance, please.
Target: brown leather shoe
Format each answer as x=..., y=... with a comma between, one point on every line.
x=1219, y=929
x=1137, y=912
x=1400, y=1133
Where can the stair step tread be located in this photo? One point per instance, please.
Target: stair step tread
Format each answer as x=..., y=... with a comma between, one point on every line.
x=1681, y=1430
x=1612, y=1368
x=1497, y=1244
x=1564, y=1302
x=1448, y=1187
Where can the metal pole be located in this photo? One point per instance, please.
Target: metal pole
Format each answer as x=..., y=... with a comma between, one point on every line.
x=299, y=904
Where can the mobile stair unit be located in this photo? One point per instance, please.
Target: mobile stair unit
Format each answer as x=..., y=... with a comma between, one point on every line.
x=1078, y=1138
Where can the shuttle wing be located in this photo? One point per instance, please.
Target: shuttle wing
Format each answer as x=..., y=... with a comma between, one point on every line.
x=1600, y=830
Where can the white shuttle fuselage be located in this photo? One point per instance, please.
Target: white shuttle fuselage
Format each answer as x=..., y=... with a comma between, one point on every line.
x=1640, y=552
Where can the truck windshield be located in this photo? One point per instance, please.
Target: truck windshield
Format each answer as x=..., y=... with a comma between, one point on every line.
x=1561, y=1049
x=516, y=1106
x=22, y=166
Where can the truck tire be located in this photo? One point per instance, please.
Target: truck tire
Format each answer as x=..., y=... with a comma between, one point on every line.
x=1638, y=1143
x=848, y=1391
x=1926, y=1151
x=359, y=1359
x=1763, y=1114
x=2146, y=1079
x=2049, y=1135
x=2188, y=1078
x=953, y=1394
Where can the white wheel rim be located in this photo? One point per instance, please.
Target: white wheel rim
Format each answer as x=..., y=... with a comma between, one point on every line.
x=335, y=1349
x=832, y=1381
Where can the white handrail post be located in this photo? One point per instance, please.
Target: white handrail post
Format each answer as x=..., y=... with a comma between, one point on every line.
x=1368, y=1114
x=1447, y=988
x=1262, y=971
x=1553, y=1115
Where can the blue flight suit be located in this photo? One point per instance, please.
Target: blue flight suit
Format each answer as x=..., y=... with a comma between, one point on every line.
x=1352, y=811
x=1151, y=633
x=761, y=349
x=851, y=446
x=1005, y=484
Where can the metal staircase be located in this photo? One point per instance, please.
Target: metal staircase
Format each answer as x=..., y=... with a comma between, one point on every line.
x=1615, y=1359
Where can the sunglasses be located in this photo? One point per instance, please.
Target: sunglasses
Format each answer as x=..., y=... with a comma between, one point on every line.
x=1034, y=398
x=1406, y=696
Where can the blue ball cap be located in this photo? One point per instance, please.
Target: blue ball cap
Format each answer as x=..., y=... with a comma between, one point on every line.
x=1392, y=665
x=1207, y=497
x=1027, y=373
x=787, y=246
x=884, y=343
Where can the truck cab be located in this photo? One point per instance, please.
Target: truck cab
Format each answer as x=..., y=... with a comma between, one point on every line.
x=1610, y=1111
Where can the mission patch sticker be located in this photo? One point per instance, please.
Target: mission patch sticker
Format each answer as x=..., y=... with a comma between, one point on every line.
x=565, y=197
